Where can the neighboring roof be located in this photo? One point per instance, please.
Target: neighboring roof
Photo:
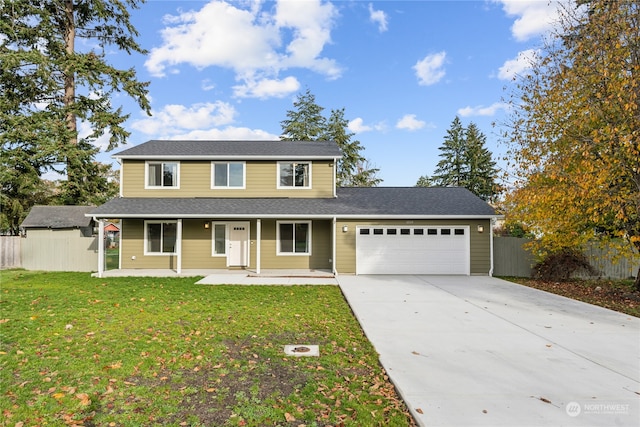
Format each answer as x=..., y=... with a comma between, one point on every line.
x=58, y=217
x=111, y=227
x=358, y=202
x=232, y=149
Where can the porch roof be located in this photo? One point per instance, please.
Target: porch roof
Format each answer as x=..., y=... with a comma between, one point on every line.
x=357, y=202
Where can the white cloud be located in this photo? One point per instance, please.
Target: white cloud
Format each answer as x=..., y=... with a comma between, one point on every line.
x=481, y=110
x=357, y=126
x=378, y=17
x=430, y=70
x=267, y=88
x=410, y=122
x=249, y=41
x=518, y=65
x=175, y=119
x=533, y=17
x=207, y=85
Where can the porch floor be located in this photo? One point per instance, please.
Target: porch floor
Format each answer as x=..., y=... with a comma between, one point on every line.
x=236, y=277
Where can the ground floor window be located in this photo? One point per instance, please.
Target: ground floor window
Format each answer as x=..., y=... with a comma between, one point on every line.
x=160, y=237
x=294, y=238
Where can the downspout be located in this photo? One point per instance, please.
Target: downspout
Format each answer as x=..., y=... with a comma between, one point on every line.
x=120, y=177
x=100, y=246
x=333, y=249
x=335, y=182
x=491, y=221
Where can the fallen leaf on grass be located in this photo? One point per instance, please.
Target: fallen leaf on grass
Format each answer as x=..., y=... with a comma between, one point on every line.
x=289, y=417
x=85, y=400
x=58, y=396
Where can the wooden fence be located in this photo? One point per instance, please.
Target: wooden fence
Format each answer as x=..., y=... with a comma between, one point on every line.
x=511, y=259
x=10, y=252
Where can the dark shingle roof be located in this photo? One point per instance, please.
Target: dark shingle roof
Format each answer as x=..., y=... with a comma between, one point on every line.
x=418, y=202
x=232, y=149
x=58, y=217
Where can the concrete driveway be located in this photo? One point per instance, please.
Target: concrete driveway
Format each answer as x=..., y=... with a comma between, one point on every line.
x=479, y=351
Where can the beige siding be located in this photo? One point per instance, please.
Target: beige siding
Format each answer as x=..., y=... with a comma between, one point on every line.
x=195, y=181
x=320, y=248
x=59, y=250
x=479, y=242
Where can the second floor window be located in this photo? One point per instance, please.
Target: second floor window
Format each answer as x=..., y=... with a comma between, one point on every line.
x=227, y=175
x=162, y=174
x=294, y=175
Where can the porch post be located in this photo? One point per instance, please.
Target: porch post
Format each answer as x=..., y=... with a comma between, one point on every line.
x=179, y=247
x=100, y=247
x=258, y=243
x=333, y=246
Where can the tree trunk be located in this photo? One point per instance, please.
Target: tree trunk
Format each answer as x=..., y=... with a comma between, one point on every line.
x=637, y=282
x=70, y=94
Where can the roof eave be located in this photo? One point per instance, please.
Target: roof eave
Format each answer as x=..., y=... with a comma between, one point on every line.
x=225, y=157
x=296, y=216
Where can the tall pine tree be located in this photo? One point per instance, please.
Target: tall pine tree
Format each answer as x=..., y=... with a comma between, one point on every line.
x=47, y=85
x=306, y=123
x=465, y=162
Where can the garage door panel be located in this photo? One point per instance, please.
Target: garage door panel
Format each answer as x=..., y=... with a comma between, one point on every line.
x=428, y=251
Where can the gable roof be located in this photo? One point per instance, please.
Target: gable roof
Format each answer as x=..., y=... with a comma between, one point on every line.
x=357, y=202
x=58, y=217
x=200, y=149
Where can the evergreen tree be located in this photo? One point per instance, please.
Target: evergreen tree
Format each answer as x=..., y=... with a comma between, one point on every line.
x=481, y=171
x=451, y=170
x=47, y=85
x=465, y=162
x=306, y=123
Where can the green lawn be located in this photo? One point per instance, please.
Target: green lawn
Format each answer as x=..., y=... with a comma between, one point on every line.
x=77, y=350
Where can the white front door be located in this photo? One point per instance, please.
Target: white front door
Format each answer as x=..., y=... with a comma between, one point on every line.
x=238, y=255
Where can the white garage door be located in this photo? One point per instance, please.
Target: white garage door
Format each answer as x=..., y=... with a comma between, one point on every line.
x=412, y=250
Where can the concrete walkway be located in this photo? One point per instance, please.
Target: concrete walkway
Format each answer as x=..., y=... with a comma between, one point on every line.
x=479, y=351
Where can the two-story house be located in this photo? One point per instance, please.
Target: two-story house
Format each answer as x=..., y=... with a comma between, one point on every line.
x=262, y=205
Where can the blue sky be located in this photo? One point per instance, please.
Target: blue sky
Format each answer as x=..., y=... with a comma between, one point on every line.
x=402, y=70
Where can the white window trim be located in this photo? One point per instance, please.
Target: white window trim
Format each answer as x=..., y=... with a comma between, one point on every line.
x=293, y=187
x=160, y=187
x=227, y=187
x=278, y=253
x=213, y=239
x=146, y=241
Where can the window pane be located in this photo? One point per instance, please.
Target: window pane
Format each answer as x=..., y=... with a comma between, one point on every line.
x=155, y=174
x=286, y=237
x=220, y=239
x=220, y=175
x=170, y=172
x=302, y=175
x=169, y=237
x=302, y=238
x=286, y=175
x=154, y=232
x=236, y=172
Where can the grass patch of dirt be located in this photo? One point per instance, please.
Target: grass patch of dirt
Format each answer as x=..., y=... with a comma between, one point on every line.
x=617, y=295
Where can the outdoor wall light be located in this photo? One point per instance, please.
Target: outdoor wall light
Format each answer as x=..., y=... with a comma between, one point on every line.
x=206, y=225
x=345, y=228
x=480, y=229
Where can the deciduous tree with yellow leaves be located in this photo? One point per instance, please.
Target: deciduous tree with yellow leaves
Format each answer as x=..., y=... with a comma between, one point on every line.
x=574, y=132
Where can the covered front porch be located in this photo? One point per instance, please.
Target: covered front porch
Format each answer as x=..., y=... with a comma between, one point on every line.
x=200, y=246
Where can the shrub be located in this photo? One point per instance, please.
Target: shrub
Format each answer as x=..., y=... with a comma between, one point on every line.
x=563, y=265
